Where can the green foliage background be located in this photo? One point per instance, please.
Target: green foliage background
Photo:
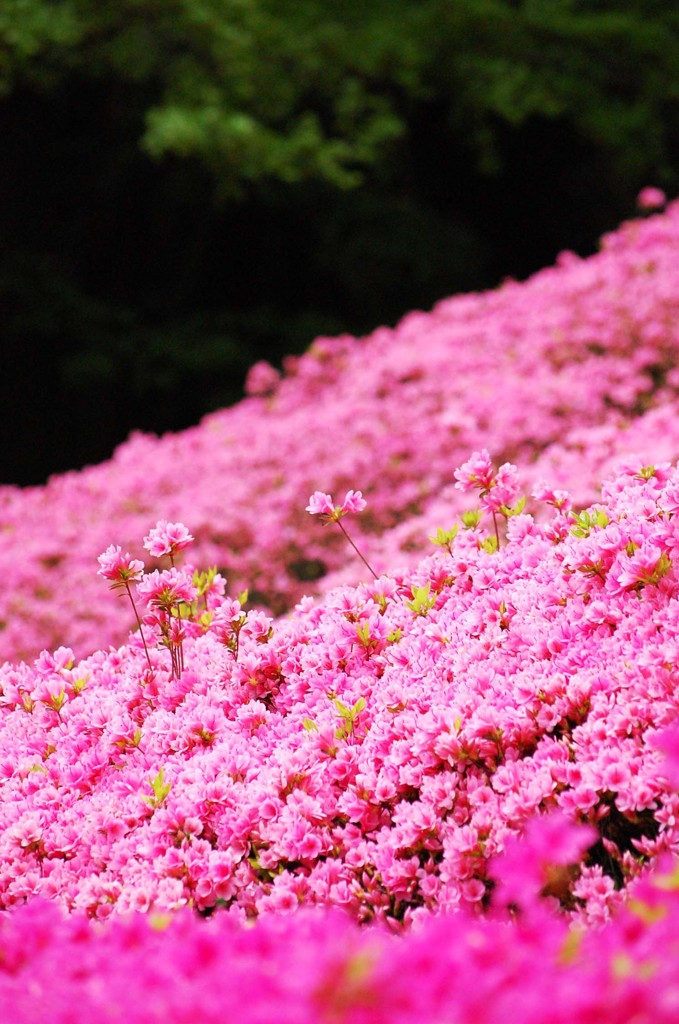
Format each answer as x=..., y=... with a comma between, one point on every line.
x=189, y=185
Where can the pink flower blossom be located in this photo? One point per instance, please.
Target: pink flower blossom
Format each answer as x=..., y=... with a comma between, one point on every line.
x=166, y=589
x=167, y=539
x=555, y=496
x=321, y=504
x=476, y=473
x=119, y=567
x=647, y=565
x=504, y=489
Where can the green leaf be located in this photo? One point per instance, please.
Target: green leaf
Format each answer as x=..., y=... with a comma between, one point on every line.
x=508, y=511
x=445, y=538
x=471, y=518
x=422, y=600
x=56, y=700
x=160, y=788
x=586, y=521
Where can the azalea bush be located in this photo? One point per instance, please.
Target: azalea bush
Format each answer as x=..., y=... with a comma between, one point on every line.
x=319, y=968
x=491, y=733
x=445, y=788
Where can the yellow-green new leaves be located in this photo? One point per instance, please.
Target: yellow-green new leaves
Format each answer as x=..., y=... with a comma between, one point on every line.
x=471, y=518
x=348, y=717
x=513, y=510
x=587, y=521
x=445, y=538
x=160, y=788
x=422, y=600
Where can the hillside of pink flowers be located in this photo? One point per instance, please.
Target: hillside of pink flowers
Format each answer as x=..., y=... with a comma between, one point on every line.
x=491, y=734
x=444, y=788
x=560, y=374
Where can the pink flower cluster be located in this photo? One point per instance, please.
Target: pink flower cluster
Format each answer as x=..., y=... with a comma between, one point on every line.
x=321, y=967
x=372, y=752
x=561, y=374
x=322, y=505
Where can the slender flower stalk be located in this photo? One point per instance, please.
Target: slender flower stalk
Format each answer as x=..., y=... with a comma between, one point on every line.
x=361, y=556
x=123, y=570
x=139, y=625
x=321, y=504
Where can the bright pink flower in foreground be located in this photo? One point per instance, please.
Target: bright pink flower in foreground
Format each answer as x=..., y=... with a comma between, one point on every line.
x=322, y=505
x=167, y=539
x=119, y=567
x=536, y=863
x=504, y=489
x=163, y=590
x=476, y=472
x=646, y=565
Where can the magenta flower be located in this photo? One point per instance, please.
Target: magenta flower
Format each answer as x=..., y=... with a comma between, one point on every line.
x=477, y=471
x=667, y=741
x=534, y=863
x=559, y=498
x=322, y=505
x=167, y=539
x=122, y=569
x=164, y=590
x=118, y=567
x=647, y=565
x=669, y=500
x=504, y=489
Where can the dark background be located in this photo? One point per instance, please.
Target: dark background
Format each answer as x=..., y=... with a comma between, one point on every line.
x=191, y=186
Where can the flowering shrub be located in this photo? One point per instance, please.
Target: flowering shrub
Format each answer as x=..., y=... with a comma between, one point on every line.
x=448, y=792
x=319, y=968
x=371, y=752
x=561, y=375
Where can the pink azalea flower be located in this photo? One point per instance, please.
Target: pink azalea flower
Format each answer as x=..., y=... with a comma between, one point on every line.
x=163, y=590
x=119, y=567
x=476, y=472
x=504, y=489
x=647, y=565
x=167, y=539
x=667, y=742
x=322, y=505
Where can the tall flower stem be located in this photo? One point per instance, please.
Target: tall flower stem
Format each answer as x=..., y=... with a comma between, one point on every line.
x=363, y=559
x=136, y=615
x=497, y=532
